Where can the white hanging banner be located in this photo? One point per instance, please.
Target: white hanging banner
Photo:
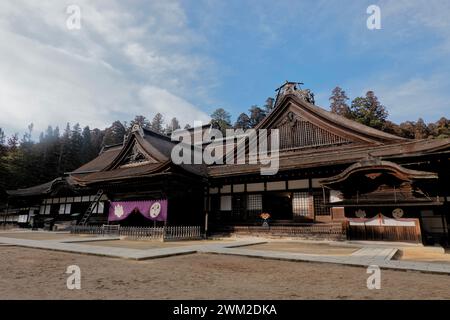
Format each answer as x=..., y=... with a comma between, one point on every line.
x=381, y=220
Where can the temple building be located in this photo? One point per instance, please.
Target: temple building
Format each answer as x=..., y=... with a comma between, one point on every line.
x=332, y=171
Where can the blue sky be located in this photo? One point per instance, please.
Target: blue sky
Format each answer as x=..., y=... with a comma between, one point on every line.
x=186, y=58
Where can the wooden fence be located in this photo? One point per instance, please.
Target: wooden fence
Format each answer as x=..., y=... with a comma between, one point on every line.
x=8, y=226
x=385, y=233
x=157, y=233
x=319, y=230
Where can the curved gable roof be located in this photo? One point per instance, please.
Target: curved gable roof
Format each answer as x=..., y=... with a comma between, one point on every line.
x=364, y=166
x=327, y=120
x=154, y=146
x=106, y=156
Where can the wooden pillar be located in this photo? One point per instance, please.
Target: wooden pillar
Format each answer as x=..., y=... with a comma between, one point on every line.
x=165, y=194
x=206, y=210
x=311, y=194
x=7, y=210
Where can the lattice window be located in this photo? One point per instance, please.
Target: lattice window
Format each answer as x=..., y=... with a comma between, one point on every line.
x=238, y=205
x=299, y=133
x=254, y=205
x=100, y=208
x=254, y=202
x=64, y=208
x=45, y=209
x=319, y=206
x=301, y=204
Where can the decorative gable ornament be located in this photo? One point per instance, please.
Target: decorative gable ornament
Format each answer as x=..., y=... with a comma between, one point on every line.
x=294, y=88
x=137, y=128
x=136, y=156
x=306, y=95
x=291, y=119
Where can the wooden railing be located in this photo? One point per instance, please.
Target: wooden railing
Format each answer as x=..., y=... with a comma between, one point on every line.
x=182, y=232
x=164, y=233
x=7, y=226
x=142, y=232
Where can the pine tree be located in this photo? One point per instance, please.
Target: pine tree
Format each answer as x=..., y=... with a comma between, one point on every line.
x=74, y=149
x=172, y=126
x=369, y=111
x=49, y=152
x=256, y=115
x=442, y=128
x=28, y=163
x=64, y=147
x=97, y=136
x=339, y=104
x=157, y=123
x=11, y=163
x=221, y=120
x=2, y=142
x=4, y=176
x=47, y=135
x=27, y=135
x=242, y=122
x=13, y=142
x=421, y=130
x=114, y=134
x=87, y=150
x=407, y=129
x=141, y=121
x=268, y=106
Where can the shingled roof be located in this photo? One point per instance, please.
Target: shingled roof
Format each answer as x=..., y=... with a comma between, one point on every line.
x=112, y=164
x=45, y=188
x=326, y=119
x=356, y=142
x=363, y=141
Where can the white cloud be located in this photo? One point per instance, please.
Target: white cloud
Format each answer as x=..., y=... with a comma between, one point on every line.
x=416, y=98
x=125, y=60
x=410, y=18
x=161, y=100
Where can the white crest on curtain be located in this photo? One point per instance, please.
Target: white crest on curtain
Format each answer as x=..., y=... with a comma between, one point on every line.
x=118, y=211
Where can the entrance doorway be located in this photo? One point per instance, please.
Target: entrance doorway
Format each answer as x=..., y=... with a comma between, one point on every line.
x=278, y=205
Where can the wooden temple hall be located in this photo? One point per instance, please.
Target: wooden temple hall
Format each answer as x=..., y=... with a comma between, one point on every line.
x=333, y=173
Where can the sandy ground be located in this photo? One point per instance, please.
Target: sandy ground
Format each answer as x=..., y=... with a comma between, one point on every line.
x=304, y=247
x=40, y=274
x=421, y=254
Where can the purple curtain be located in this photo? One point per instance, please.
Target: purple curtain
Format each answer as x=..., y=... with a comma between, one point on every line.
x=151, y=209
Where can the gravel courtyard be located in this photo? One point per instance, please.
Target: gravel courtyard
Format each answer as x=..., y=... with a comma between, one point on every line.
x=40, y=274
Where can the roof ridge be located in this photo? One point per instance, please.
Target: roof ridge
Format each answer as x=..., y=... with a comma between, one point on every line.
x=156, y=133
